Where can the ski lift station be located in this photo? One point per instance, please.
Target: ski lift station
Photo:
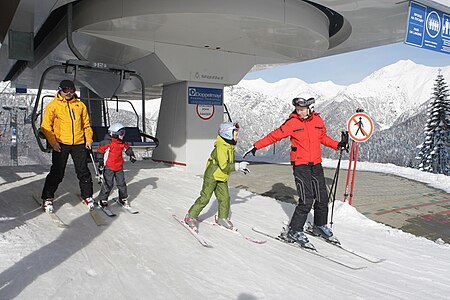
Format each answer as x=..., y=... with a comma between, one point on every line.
x=184, y=52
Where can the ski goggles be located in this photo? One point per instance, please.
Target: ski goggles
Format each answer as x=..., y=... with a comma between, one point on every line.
x=303, y=102
x=67, y=90
x=121, y=132
x=234, y=127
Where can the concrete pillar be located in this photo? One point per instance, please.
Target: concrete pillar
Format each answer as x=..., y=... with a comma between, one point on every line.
x=188, y=121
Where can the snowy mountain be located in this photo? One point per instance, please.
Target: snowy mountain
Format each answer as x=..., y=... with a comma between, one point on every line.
x=384, y=95
x=394, y=97
x=391, y=96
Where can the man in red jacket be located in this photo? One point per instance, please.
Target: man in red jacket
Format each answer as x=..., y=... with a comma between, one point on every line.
x=307, y=132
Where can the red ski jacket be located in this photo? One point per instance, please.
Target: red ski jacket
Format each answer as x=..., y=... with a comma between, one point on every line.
x=306, y=137
x=113, y=149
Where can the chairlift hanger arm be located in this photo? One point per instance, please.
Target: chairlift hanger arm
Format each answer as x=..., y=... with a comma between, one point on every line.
x=100, y=66
x=34, y=114
x=141, y=80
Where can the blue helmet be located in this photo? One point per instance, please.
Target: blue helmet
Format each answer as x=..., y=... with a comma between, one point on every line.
x=226, y=130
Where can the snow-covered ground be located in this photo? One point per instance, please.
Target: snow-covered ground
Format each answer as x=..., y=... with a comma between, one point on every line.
x=150, y=256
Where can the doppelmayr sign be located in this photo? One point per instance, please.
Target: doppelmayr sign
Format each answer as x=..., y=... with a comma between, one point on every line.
x=205, y=96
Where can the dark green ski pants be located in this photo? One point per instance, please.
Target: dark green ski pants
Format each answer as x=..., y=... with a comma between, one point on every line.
x=220, y=189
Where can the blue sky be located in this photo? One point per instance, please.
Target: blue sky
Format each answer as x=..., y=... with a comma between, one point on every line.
x=352, y=67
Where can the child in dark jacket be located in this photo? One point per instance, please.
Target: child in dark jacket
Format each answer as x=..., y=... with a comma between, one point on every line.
x=112, y=148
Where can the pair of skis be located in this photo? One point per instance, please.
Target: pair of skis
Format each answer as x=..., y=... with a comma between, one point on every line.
x=335, y=242
x=59, y=223
x=99, y=221
x=309, y=250
x=204, y=242
x=363, y=256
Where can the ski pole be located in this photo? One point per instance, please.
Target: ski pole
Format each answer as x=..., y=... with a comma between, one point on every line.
x=97, y=174
x=344, y=137
x=335, y=181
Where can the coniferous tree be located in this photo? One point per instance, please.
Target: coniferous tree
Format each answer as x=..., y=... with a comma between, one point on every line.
x=434, y=155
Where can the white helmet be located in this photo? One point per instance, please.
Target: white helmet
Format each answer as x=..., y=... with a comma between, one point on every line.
x=226, y=129
x=115, y=128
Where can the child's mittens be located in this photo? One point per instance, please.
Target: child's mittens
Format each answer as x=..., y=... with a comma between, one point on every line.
x=242, y=166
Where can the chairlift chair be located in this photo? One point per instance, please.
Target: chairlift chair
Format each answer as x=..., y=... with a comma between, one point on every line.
x=137, y=138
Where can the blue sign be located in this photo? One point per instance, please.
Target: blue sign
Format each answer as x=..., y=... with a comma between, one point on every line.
x=21, y=88
x=428, y=28
x=205, y=96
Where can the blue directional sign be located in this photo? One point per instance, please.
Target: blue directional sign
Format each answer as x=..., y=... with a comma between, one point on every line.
x=21, y=89
x=205, y=96
x=428, y=28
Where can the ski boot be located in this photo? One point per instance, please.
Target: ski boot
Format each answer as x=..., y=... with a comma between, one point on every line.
x=224, y=222
x=300, y=238
x=325, y=233
x=102, y=203
x=47, y=205
x=124, y=202
x=89, y=202
x=191, y=222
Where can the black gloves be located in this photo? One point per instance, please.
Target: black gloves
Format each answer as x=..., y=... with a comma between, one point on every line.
x=130, y=153
x=101, y=167
x=343, y=144
x=252, y=151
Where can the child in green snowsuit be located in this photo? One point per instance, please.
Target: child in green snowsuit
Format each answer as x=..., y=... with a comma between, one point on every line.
x=220, y=164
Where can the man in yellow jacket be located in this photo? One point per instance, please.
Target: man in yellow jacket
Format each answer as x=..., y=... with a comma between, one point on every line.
x=67, y=129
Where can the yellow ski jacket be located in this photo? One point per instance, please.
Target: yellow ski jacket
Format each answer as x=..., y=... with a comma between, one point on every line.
x=66, y=122
x=221, y=161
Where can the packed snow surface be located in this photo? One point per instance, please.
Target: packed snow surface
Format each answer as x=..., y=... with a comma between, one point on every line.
x=150, y=256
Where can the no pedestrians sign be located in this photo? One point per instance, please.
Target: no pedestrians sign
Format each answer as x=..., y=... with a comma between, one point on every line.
x=360, y=127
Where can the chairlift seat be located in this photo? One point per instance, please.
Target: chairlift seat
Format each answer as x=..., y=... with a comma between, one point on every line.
x=133, y=137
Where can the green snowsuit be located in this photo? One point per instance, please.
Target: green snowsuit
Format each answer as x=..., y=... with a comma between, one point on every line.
x=220, y=165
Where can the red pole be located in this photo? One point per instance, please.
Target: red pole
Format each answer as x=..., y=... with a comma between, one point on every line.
x=355, y=159
x=348, y=171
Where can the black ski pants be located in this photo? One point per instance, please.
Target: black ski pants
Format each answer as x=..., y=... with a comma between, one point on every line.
x=311, y=189
x=59, y=161
x=108, y=184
